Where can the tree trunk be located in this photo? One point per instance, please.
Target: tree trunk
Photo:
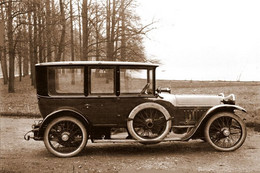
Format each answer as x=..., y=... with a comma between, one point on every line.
x=53, y=29
x=97, y=34
x=25, y=60
x=72, y=42
x=111, y=23
x=18, y=47
x=80, y=36
x=3, y=53
x=40, y=40
x=71, y=33
x=20, y=62
x=31, y=44
x=108, y=28
x=48, y=30
x=3, y=64
x=35, y=44
x=123, y=38
x=10, y=47
x=85, y=25
x=3, y=47
x=61, y=46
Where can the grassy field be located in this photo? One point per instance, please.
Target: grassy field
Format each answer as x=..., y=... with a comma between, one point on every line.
x=247, y=93
x=24, y=101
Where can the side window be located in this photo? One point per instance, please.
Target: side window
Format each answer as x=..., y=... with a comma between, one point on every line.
x=102, y=81
x=132, y=81
x=68, y=80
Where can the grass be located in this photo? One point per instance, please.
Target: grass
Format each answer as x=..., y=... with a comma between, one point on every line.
x=21, y=103
x=24, y=101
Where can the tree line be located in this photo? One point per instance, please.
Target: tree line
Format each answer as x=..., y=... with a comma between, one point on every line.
x=36, y=31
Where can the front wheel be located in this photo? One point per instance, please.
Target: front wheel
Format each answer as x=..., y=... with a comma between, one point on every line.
x=225, y=131
x=65, y=136
x=149, y=123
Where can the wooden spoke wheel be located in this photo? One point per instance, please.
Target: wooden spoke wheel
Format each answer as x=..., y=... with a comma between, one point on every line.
x=225, y=131
x=65, y=136
x=149, y=123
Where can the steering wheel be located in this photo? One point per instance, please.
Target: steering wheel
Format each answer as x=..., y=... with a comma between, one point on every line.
x=145, y=88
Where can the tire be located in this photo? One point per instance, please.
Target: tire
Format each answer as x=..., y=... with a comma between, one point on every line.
x=149, y=123
x=65, y=136
x=225, y=131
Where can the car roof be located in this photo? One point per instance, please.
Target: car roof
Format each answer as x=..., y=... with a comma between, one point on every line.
x=102, y=63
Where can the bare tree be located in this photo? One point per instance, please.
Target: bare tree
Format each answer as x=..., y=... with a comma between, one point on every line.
x=48, y=30
x=85, y=25
x=61, y=46
x=41, y=31
x=3, y=47
x=71, y=32
x=35, y=43
x=36, y=32
x=11, y=50
x=110, y=28
x=19, y=47
x=25, y=51
x=123, y=30
x=72, y=41
x=80, y=35
x=97, y=28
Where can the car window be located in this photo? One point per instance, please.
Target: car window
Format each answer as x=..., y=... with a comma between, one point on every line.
x=66, y=80
x=133, y=81
x=102, y=81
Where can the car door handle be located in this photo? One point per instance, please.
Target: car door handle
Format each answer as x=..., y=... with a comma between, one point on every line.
x=87, y=106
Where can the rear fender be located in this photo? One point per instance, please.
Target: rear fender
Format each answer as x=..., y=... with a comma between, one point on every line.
x=219, y=108
x=60, y=113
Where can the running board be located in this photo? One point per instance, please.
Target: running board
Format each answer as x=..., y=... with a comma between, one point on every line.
x=133, y=140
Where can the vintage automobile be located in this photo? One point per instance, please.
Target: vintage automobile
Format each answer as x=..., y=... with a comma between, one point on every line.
x=119, y=102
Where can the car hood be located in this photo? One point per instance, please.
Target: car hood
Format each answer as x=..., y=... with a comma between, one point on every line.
x=192, y=100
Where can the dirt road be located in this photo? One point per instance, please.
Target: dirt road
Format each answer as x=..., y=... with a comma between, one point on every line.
x=18, y=155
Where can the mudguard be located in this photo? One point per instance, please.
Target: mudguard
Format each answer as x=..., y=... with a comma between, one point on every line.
x=209, y=113
x=51, y=116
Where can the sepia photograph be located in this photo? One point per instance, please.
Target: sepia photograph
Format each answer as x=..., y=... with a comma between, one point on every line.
x=123, y=86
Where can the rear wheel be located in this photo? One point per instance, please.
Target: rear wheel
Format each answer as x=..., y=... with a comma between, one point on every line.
x=225, y=131
x=65, y=136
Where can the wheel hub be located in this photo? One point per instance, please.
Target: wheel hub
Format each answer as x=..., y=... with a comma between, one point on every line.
x=225, y=132
x=65, y=136
x=149, y=123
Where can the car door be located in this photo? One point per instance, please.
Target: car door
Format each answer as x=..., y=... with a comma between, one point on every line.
x=136, y=87
x=100, y=103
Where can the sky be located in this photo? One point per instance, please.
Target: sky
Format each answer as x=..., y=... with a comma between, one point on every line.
x=204, y=39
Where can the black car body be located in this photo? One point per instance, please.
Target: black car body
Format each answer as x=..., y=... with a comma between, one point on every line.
x=84, y=100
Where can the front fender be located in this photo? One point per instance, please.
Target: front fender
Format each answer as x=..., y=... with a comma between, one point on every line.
x=223, y=107
x=209, y=113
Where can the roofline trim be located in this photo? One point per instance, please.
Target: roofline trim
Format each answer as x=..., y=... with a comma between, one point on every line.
x=96, y=63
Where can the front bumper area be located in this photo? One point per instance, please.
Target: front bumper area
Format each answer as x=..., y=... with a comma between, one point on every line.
x=34, y=133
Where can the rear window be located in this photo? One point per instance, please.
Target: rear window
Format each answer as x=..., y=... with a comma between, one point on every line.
x=66, y=80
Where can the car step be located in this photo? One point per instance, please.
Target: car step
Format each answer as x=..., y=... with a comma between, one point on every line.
x=132, y=140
